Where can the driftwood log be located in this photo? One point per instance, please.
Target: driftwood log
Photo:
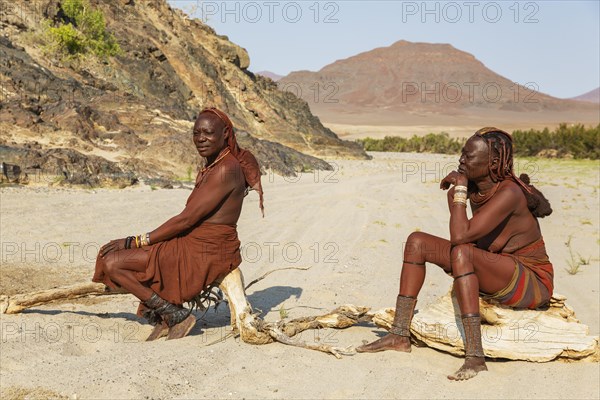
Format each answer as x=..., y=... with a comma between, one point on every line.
x=511, y=334
x=19, y=302
x=256, y=331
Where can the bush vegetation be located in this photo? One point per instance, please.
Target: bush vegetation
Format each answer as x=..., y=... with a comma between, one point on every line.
x=79, y=31
x=430, y=143
x=575, y=141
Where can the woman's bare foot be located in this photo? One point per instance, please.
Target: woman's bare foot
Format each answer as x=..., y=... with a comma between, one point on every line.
x=388, y=342
x=470, y=368
x=161, y=329
x=181, y=329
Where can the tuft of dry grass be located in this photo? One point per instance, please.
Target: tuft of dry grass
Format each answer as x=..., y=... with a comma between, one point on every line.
x=37, y=393
x=575, y=261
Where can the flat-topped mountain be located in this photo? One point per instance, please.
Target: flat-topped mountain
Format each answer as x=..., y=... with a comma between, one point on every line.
x=419, y=79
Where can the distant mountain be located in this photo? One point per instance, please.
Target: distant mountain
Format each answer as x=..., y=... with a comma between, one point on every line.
x=271, y=75
x=420, y=80
x=591, y=96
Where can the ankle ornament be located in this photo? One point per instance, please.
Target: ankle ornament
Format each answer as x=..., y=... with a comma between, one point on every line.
x=472, y=327
x=405, y=307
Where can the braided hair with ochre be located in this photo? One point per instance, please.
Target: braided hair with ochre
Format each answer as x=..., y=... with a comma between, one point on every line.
x=500, y=146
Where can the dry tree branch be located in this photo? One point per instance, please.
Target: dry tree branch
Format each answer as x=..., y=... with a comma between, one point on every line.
x=270, y=272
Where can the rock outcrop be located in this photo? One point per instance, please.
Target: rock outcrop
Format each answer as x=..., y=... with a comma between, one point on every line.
x=136, y=109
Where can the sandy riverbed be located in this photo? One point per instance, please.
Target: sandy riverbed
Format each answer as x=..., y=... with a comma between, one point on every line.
x=348, y=225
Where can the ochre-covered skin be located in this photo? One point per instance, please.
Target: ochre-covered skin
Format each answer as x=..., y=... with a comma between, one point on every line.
x=483, y=252
x=199, y=245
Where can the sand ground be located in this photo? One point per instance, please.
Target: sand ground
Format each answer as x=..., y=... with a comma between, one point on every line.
x=351, y=123
x=348, y=225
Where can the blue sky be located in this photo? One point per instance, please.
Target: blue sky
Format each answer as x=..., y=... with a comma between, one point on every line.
x=554, y=44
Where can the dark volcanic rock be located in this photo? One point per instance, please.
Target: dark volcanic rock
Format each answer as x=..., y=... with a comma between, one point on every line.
x=11, y=173
x=279, y=158
x=140, y=106
x=58, y=166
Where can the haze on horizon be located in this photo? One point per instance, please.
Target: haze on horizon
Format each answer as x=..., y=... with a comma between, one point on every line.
x=555, y=44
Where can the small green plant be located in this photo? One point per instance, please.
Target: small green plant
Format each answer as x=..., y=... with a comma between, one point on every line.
x=58, y=180
x=379, y=223
x=189, y=173
x=306, y=168
x=152, y=187
x=574, y=261
x=283, y=314
x=81, y=31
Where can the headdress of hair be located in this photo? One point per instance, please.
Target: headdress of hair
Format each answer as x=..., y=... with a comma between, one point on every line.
x=501, y=142
x=247, y=161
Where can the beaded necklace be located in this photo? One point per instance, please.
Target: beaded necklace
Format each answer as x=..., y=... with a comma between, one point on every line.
x=479, y=199
x=221, y=156
x=205, y=169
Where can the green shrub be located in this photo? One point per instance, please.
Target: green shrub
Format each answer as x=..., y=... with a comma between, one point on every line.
x=430, y=143
x=575, y=141
x=68, y=38
x=82, y=31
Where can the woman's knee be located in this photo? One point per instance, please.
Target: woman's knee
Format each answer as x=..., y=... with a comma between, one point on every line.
x=461, y=259
x=111, y=265
x=414, y=245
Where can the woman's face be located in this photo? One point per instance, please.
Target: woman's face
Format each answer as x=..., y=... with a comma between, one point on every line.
x=209, y=135
x=474, y=160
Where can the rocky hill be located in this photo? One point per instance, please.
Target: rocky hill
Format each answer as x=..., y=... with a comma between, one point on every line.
x=591, y=96
x=275, y=77
x=419, y=79
x=130, y=116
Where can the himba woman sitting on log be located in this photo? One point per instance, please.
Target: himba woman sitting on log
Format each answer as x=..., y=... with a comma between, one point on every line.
x=185, y=255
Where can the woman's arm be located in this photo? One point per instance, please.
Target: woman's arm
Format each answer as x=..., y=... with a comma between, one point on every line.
x=450, y=198
x=488, y=217
x=204, y=200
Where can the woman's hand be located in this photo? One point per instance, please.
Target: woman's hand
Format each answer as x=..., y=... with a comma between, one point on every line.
x=113, y=245
x=454, y=178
